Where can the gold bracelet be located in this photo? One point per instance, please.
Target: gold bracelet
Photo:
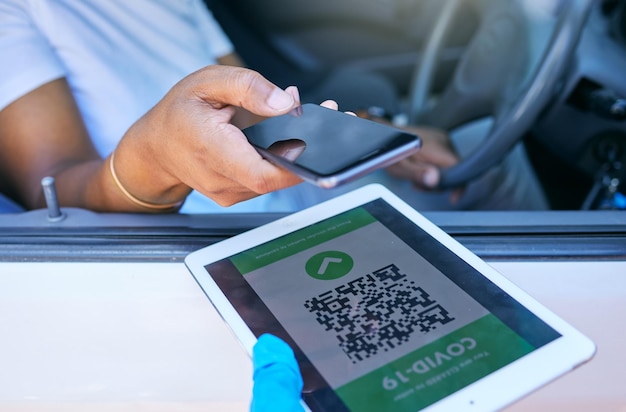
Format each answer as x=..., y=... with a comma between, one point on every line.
x=132, y=198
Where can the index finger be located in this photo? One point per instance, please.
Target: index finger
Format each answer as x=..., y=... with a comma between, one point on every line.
x=242, y=163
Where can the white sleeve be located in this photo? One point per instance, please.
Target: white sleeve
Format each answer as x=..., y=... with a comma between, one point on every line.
x=217, y=40
x=28, y=60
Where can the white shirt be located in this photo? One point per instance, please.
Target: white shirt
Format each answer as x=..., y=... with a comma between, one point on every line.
x=119, y=57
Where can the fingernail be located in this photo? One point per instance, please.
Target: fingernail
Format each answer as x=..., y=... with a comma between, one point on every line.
x=431, y=177
x=293, y=90
x=280, y=100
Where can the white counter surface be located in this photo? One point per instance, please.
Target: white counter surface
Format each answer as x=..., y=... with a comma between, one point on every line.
x=143, y=337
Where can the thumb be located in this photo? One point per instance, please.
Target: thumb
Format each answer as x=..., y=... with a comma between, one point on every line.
x=237, y=86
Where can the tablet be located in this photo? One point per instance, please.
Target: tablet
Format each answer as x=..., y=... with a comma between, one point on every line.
x=384, y=310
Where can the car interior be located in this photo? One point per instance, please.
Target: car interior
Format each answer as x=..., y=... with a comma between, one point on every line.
x=574, y=132
x=548, y=74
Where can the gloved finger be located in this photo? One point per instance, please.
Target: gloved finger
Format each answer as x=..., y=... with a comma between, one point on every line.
x=277, y=379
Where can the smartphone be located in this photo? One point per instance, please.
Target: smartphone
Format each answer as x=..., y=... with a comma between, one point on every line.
x=327, y=147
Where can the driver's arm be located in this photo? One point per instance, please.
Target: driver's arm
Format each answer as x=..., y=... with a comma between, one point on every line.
x=187, y=140
x=42, y=134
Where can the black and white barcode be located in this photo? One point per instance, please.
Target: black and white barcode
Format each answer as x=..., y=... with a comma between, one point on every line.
x=377, y=311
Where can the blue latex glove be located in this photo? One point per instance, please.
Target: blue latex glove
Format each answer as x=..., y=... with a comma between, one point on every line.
x=277, y=379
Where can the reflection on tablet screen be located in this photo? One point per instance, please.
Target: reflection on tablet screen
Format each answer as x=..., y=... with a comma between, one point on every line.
x=381, y=315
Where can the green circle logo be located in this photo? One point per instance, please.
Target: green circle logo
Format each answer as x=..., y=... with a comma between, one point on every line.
x=329, y=265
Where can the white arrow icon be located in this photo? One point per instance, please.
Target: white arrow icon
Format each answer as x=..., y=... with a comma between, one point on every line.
x=326, y=262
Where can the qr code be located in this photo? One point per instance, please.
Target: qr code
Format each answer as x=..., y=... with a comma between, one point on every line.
x=378, y=311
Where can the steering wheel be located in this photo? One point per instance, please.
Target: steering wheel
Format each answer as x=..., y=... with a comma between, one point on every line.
x=508, y=71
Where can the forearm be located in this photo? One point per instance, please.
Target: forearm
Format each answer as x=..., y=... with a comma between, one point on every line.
x=140, y=173
x=58, y=145
x=114, y=185
x=187, y=140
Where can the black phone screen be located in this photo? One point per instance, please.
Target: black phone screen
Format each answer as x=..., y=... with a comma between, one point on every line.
x=327, y=142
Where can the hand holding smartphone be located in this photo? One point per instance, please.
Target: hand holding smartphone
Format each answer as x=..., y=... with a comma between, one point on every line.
x=327, y=147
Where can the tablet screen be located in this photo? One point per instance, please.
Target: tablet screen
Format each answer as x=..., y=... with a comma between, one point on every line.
x=380, y=314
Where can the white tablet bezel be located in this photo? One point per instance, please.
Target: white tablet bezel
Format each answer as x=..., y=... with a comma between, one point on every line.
x=491, y=392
